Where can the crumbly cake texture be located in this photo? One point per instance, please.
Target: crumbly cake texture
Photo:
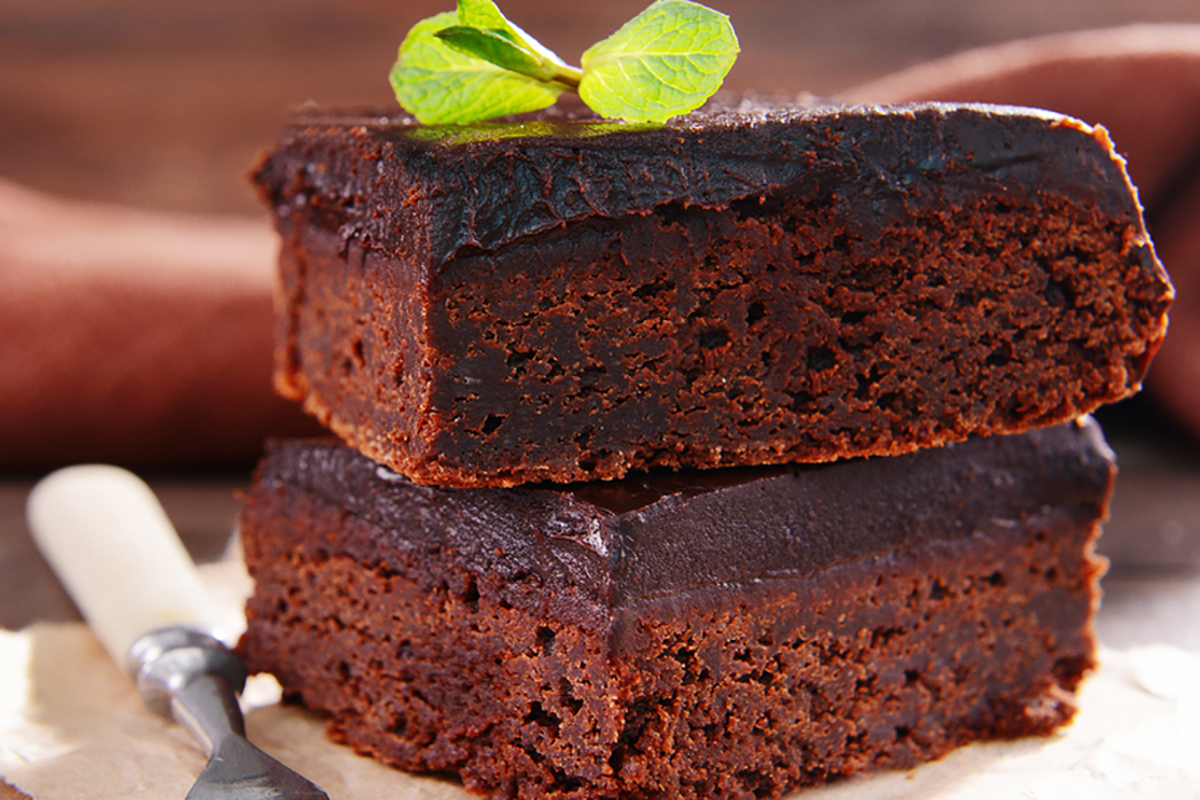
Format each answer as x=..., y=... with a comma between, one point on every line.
x=566, y=300
x=718, y=634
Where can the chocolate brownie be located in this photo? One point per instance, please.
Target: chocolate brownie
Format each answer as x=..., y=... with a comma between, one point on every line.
x=729, y=633
x=571, y=299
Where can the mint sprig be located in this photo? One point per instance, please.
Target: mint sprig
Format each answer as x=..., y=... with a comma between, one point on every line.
x=474, y=64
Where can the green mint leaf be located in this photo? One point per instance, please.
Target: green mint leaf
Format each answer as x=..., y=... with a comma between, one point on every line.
x=481, y=14
x=486, y=14
x=437, y=84
x=492, y=46
x=495, y=46
x=665, y=61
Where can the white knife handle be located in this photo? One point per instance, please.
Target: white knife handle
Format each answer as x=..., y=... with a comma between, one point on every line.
x=109, y=541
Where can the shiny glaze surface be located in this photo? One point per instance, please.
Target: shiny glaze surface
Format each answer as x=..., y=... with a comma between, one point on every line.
x=652, y=536
x=434, y=192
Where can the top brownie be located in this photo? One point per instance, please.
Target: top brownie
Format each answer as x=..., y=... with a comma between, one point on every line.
x=568, y=300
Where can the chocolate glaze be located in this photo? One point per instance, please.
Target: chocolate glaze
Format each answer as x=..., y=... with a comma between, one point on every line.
x=651, y=537
x=432, y=192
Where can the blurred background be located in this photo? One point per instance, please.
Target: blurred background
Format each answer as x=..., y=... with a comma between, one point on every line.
x=135, y=317
x=165, y=104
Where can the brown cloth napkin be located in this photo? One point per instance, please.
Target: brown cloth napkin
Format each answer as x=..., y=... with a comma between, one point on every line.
x=134, y=337
x=144, y=338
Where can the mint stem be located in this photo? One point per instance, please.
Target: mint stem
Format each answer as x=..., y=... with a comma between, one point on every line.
x=567, y=76
x=472, y=64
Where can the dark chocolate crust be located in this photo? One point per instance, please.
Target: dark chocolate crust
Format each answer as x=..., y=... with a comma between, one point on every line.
x=737, y=634
x=571, y=300
x=434, y=193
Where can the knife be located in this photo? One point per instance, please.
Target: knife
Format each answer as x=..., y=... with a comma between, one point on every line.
x=109, y=541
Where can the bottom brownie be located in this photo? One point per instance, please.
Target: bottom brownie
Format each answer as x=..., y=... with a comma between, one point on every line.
x=734, y=633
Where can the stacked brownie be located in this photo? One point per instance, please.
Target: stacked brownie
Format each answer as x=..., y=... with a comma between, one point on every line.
x=579, y=541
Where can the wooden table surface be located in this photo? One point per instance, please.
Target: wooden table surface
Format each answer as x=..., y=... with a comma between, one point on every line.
x=164, y=105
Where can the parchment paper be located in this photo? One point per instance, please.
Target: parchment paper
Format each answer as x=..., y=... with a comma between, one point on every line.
x=72, y=726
